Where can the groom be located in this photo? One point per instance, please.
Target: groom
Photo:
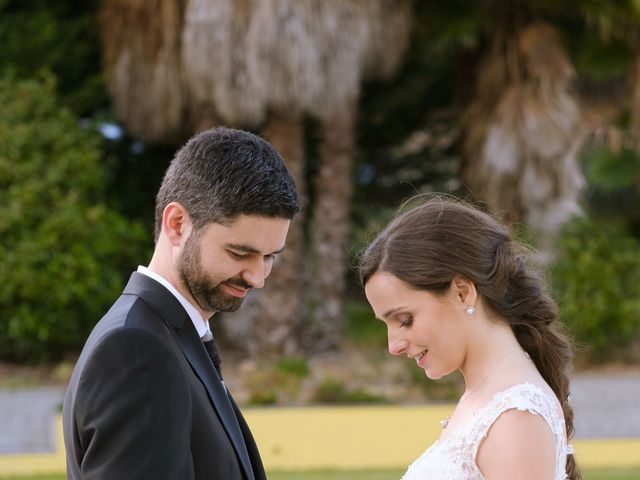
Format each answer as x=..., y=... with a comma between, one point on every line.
x=146, y=399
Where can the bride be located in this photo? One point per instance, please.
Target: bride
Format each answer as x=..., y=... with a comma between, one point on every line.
x=455, y=292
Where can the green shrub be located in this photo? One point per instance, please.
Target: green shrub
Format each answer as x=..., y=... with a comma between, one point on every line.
x=293, y=366
x=330, y=391
x=64, y=252
x=597, y=282
x=361, y=395
x=263, y=397
x=334, y=391
x=362, y=327
x=277, y=383
x=445, y=389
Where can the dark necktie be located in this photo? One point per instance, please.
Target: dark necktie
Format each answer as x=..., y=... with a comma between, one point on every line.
x=241, y=447
x=210, y=345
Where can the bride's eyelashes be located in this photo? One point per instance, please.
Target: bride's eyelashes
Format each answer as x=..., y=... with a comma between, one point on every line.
x=405, y=320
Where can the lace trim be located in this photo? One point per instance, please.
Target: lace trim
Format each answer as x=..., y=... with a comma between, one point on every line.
x=455, y=457
x=529, y=397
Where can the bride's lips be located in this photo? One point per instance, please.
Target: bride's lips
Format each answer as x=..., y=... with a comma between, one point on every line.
x=235, y=291
x=421, y=358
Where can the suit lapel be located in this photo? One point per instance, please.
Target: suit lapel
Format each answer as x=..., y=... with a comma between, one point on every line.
x=254, y=454
x=201, y=363
x=167, y=306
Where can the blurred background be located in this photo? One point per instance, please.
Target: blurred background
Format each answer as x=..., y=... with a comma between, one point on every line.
x=530, y=109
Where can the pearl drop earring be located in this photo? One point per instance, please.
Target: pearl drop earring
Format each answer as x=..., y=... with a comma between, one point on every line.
x=471, y=309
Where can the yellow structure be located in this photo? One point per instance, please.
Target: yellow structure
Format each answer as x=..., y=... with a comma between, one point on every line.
x=382, y=437
x=345, y=438
x=36, y=463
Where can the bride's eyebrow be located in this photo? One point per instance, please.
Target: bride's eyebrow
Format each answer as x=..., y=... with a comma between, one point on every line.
x=390, y=312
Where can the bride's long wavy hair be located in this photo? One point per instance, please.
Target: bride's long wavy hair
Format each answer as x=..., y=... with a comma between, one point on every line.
x=427, y=245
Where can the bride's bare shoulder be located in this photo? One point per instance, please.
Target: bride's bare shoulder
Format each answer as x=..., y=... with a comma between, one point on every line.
x=520, y=445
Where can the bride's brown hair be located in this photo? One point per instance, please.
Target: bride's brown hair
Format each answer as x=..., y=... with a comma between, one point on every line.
x=428, y=245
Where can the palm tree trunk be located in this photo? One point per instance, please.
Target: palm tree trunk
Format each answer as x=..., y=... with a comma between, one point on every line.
x=282, y=302
x=331, y=225
x=634, y=104
x=270, y=321
x=634, y=111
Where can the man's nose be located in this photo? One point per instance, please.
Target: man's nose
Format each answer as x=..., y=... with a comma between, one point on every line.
x=255, y=274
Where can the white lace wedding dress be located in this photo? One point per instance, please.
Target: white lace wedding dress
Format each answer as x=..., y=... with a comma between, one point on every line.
x=455, y=457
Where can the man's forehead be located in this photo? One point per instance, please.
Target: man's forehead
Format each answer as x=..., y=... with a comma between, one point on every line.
x=251, y=234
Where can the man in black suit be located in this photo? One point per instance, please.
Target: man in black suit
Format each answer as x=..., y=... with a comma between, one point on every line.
x=146, y=399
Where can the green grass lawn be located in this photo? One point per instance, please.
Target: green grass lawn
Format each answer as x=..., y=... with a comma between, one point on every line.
x=396, y=474
x=380, y=475
x=612, y=474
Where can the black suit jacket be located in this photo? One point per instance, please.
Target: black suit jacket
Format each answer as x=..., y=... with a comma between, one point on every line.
x=145, y=401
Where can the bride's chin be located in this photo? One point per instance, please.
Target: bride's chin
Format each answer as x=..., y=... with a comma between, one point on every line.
x=434, y=374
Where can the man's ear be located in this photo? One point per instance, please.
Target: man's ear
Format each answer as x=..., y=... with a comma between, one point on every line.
x=176, y=223
x=465, y=291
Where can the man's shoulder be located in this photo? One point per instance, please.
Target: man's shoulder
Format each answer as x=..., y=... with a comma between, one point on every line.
x=129, y=312
x=128, y=315
x=128, y=327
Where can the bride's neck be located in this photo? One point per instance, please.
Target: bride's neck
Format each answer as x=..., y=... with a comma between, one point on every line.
x=486, y=355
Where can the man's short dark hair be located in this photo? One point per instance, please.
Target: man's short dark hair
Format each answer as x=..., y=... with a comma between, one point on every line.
x=223, y=173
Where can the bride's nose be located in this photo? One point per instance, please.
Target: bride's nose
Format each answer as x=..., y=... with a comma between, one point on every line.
x=396, y=345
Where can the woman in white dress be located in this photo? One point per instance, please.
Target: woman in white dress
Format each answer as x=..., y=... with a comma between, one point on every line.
x=456, y=293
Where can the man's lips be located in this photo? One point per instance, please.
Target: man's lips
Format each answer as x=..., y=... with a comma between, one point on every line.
x=235, y=290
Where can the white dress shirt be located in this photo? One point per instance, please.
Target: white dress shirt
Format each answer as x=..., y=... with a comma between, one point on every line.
x=201, y=324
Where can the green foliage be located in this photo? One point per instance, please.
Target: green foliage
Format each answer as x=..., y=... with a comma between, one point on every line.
x=597, y=281
x=64, y=251
x=597, y=58
x=263, y=396
x=60, y=37
x=277, y=383
x=36, y=477
x=613, y=177
x=336, y=475
x=375, y=475
x=334, y=391
x=387, y=474
x=295, y=366
x=611, y=170
x=362, y=328
x=446, y=389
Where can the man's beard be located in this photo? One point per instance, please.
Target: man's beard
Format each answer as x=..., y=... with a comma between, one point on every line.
x=208, y=294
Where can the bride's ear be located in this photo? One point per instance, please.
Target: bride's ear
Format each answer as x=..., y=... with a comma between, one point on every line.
x=465, y=291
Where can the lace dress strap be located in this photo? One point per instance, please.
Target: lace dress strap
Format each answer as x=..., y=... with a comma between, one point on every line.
x=523, y=397
x=455, y=457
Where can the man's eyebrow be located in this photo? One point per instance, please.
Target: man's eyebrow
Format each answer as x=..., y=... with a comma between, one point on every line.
x=248, y=249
